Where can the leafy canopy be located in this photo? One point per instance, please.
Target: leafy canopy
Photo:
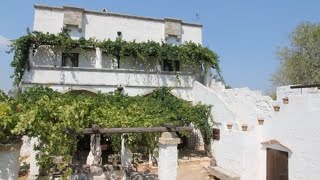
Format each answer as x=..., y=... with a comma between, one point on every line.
x=300, y=62
x=45, y=113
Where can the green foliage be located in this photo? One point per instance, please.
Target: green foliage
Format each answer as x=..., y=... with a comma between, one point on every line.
x=300, y=61
x=7, y=120
x=191, y=54
x=47, y=114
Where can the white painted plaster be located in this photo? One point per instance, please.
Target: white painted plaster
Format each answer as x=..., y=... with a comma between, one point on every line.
x=72, y=76
x=46, y=20
x=286, y=91
x=9, y=165
x=34, y=168
x=46, y=56
x=237, y=150
x=105, y=26
x=220, y=111
x=297, y=127
x=190, y=33
x=168, y=161
x=99, y=59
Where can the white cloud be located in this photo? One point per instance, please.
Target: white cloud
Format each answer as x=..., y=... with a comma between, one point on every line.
x=4, y=42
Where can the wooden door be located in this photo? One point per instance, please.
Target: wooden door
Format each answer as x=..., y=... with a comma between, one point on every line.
x=277, y=165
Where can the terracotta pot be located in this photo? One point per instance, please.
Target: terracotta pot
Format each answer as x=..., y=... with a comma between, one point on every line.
x=276, y=108
x=260, y=121
x=244, y=127
x=285, y=100
x=229, y=125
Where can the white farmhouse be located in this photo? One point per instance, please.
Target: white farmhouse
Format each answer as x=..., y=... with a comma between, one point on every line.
x=254, y=140
x=91, y=69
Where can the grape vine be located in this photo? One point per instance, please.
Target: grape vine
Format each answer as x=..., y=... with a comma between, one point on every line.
x=47, y=114
x=191, y=54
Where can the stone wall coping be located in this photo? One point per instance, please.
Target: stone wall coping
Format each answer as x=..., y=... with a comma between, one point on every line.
x=10, y=147
x=169, y=141
x=38, y=6
x=276, y=142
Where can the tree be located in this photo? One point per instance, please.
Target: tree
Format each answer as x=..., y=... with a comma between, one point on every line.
x=300, y=62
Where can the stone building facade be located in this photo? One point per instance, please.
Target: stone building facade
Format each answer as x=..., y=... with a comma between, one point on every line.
x=249, y=123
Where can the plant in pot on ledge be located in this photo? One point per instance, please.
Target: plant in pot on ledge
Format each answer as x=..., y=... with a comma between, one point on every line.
x=10, y=142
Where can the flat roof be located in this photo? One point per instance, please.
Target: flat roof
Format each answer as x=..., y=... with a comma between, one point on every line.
x=37, y=6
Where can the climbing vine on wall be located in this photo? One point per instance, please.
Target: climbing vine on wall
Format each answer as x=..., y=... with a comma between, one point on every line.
x=47, y=114
x=189, y=53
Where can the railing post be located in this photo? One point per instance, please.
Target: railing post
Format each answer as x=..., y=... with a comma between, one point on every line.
x=126, y=154
x=168, y=156
x=98, y=58
x=34, y=168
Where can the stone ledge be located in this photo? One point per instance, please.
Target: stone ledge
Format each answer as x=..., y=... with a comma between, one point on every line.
x=181, y=73
x=10, y=147
x=221, y=173
x=170, y=141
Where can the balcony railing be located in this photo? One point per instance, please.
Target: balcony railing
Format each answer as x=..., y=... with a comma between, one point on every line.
x=45, y=75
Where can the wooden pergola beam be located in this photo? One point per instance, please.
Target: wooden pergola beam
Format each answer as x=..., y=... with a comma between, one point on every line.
x=97, y=130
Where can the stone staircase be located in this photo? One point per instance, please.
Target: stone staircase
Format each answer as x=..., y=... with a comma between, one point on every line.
x=247, y=105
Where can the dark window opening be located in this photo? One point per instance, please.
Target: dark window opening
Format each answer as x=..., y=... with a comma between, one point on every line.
x=171, y=65
x=70, y=59
x=216, y=134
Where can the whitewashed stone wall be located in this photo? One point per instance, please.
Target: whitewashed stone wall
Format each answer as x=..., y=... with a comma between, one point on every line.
x=295, y=126
x=106, y=25
x=9, y=164
x=237, y=150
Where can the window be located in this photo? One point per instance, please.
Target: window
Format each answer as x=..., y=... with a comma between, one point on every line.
x=216, y=134
x=70, y=59
x=171, y=65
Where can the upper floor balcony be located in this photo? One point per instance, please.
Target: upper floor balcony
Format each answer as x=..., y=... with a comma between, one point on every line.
x=92, y=67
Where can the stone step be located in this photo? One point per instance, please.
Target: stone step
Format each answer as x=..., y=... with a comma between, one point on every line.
x=221, y=173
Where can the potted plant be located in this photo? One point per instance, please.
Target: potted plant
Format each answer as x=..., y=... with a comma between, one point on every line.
x=229, y=125
x=276, y=108
x=260, y=121
x=10, y=142
x=244, y=127
x=285, y=100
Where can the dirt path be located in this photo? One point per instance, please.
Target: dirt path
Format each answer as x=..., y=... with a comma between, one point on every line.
x=191, y=172
x=191, y=163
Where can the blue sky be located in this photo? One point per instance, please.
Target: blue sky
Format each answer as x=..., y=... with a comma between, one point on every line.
x=245, y=34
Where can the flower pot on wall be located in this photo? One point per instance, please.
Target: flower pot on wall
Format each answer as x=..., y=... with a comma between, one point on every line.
x=276, y=108
x=285, y=100
x=9, y=161
x=244, y=127
x=260, y=121
x=229, y=125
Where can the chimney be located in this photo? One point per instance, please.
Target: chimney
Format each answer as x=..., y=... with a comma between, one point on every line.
x=104, y=10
